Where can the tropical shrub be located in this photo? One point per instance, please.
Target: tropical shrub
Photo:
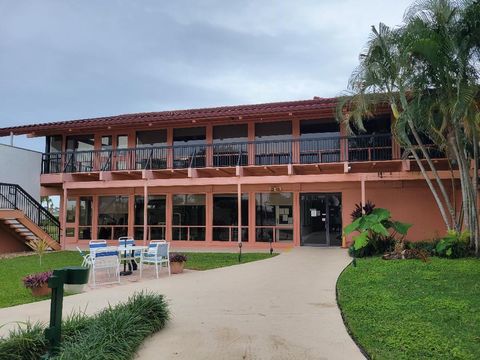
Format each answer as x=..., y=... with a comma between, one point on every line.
x=361, y=210
x=454, y=244
x=114, y=333
x=427, y=246
x=377, y=233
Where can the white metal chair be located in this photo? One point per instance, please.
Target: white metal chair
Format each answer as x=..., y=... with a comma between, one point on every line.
x=95, y=244
x=125, y=242
x=87, y=262
x=105, y=258
x=157, y=253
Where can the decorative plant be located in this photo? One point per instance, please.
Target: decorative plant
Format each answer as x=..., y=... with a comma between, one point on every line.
x=178, y=258
x=454, y=244
x=365, y=210
x=376, y=231
x=40, y=246
x=36, y=280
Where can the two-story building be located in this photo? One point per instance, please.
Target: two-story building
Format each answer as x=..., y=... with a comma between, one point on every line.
x=282, y=173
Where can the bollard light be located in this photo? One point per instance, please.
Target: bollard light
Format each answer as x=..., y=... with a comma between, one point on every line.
x=73, y=275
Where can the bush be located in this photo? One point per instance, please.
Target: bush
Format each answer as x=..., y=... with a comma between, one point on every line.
x=427, y=246
x=114, y=333
x=377, y=233
x=453, y=245
x=36, y=280
x=178, y=257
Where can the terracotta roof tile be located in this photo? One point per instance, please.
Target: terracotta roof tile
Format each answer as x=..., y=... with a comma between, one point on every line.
x=266, y=109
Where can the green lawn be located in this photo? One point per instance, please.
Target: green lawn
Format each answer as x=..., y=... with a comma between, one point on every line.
x=13, y=270
x=407, y=309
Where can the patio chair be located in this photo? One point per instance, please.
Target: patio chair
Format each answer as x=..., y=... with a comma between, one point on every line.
x=125, y=242
x=158, y=253
x=105, y=258
x=87, y=262
x=95, y=244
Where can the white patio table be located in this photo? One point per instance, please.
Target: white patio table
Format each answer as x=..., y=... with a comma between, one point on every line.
x=126, y=249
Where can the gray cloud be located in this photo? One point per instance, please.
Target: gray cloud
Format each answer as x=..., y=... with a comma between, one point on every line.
x=71, y=59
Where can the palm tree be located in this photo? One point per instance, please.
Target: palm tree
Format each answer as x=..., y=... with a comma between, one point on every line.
x=427, y=70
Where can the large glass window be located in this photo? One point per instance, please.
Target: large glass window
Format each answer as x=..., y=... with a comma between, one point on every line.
x=107, y=142
x=225, y=217
x=230, y=145
x=189, y=147
x=374, y=144
x=320, y=141
x=188, y=217
x=148, y=158
x=80, y=143
x=112, y=217
x=71, y=210
x=155, y=217
x=85, y=218
x=274, y=216
x=273, y=143
x=54, y=144
x=152, y=138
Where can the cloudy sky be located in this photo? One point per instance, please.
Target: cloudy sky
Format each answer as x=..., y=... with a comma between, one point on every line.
x=69, y=59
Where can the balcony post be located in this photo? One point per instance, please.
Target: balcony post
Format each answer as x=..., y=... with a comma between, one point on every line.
x=145, y=214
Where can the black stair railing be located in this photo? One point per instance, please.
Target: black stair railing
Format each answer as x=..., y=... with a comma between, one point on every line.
x=13, y=196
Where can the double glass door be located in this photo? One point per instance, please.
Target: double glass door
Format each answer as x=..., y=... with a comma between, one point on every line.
x=321, y=219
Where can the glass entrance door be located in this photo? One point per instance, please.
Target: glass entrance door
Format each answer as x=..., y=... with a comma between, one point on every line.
x=321, y=219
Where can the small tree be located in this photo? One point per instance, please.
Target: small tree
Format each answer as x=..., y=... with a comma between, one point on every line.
x=40, y=246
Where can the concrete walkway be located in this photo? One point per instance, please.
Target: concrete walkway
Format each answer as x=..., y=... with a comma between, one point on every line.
x=280, y=308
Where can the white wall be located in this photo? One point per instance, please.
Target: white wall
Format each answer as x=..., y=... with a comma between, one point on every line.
x=22, y=167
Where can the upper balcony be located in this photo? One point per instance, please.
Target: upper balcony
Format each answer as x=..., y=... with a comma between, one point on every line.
x=364, y=153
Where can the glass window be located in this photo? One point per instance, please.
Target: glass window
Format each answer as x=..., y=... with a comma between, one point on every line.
x=80, y=143
x=274, y=146
x=106, y=142
x=230, y=133
x=156, y=208
x=71, y=210
x=189, y=136
x=112, y=217
x=280, y=130
x=122, y=141
x=319, y=128
x=152, y=138
x=274, y=216
x=54, y=144
x=70, y=232
x=320, y=141
x=225, y=217
x=188, y=217
x=85, y=216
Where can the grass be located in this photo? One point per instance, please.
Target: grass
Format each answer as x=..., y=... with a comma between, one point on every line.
x=407, y=309
x=12, y=291
x=114, y=333
x=206, y=261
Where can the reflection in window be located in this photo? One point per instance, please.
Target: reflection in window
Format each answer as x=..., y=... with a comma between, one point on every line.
x=152, y=138
x=274, y=217
x=80, y=143
x=189, y=150
x=273, y=143
x=320, y=141
x=54, y=144
x=155, y=217
x=85, y=218
x=230, y=145
x=112, y=217
x=225, y=217
x=188, y=217
x=71, y=210
x=107, y=142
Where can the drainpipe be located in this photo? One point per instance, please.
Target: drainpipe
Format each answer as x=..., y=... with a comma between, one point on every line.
x=11, y=138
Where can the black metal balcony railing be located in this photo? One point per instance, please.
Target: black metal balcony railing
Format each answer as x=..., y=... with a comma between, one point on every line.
x=297, y=151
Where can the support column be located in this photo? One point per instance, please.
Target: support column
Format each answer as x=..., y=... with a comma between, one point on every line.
x=296, y=218
x=145, y=214
x=94, y=217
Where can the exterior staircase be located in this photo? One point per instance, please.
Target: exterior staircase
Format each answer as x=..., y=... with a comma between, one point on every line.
x=27, y=218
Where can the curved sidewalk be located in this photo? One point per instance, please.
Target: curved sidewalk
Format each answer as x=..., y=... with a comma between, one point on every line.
x=280, y=308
